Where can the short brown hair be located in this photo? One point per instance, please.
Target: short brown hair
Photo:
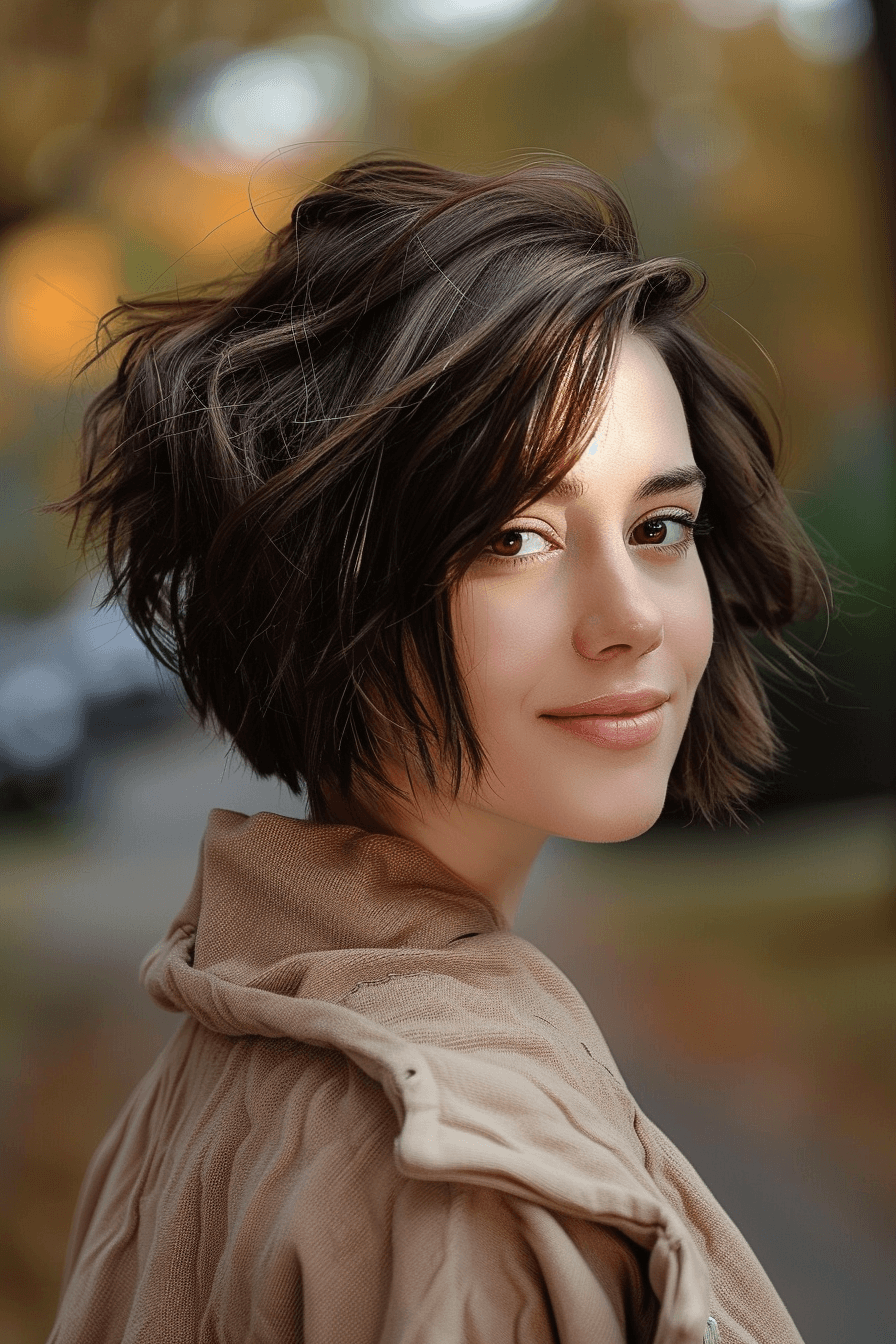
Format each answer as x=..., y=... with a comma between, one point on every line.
x=291, y=470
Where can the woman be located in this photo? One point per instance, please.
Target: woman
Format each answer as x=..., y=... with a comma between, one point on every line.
x=448, y=516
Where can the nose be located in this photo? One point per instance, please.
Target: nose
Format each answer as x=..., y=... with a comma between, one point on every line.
x=619, y=616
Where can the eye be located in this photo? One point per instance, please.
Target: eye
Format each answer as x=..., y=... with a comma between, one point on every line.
x=660, y=531
x=517, y=541
x=667, y=533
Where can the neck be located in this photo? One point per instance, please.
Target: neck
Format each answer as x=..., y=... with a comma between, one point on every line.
x=491, y=853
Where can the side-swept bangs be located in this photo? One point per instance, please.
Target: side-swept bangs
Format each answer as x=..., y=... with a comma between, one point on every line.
x=291, y=472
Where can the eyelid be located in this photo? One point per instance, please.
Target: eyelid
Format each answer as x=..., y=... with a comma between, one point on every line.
x=523, y=524
x=528, y=524
x=668, y=511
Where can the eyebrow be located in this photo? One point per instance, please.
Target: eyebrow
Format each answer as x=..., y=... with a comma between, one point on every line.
x=569, y=488
x=680, y=478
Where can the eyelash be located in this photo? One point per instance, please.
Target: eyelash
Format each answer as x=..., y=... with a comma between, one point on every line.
x=695, y=527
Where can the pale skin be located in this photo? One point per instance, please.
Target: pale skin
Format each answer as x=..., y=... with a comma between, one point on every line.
x=596, y=590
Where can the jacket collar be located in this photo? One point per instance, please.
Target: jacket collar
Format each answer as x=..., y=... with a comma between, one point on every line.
x=270, y=887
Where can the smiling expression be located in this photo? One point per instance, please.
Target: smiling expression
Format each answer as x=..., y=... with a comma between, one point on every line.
x=585, y=626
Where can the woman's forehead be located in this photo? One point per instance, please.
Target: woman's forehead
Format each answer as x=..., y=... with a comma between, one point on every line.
x=641, y=441
x=642, y=398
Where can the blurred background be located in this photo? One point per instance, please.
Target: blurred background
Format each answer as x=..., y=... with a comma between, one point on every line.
x=746, y=981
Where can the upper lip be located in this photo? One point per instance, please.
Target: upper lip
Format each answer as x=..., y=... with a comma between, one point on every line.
x=624, y=702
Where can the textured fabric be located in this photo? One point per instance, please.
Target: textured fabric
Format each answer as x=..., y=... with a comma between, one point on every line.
x=385, y=1120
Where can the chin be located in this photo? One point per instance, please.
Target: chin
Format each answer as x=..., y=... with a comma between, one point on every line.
x=608, y=820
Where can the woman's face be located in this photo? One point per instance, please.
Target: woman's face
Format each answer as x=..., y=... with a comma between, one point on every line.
x=584, y=628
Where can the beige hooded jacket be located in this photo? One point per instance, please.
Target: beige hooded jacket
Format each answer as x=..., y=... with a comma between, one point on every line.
x=386, y=1120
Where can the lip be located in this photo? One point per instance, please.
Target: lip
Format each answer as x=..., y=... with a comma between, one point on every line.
x=623, y=721
x=611, y=706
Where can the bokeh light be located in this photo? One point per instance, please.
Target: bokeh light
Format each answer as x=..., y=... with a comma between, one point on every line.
x=453, y=23
x=270, y=99
x=193, y=220
x=728, y=14
x=826, y=31
x=57, y=277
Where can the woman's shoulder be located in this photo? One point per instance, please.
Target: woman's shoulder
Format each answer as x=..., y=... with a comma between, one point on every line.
x=489, y=1001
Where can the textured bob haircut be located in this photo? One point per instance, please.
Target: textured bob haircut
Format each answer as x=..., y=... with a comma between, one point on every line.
x=292, y=470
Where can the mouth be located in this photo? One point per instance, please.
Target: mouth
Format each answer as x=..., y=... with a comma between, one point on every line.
x=621, y=722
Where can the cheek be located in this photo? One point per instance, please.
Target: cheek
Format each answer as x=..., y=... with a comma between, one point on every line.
x=506, y=642
x=689, y=627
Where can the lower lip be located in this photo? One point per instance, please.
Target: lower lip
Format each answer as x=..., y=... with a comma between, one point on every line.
x=621, y=733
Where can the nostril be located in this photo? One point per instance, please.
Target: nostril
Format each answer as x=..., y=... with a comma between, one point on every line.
x=602, y=655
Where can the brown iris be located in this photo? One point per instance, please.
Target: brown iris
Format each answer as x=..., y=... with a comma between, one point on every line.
x=508, y=543
x=652, y=529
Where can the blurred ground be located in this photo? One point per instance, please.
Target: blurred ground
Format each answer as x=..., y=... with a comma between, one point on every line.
x=744, y=982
